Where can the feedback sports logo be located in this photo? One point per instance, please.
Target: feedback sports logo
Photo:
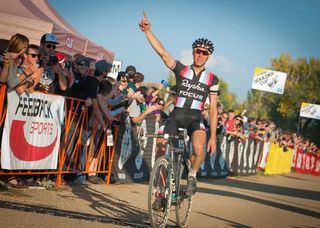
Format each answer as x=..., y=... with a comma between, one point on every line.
x=33, y=139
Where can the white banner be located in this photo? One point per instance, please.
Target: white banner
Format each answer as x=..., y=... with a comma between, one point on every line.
x=31, y=134
x=269, y=80
x=116, y=68
x=310, y=110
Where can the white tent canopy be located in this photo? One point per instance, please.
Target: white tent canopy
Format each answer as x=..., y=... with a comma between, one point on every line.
x=33, y=18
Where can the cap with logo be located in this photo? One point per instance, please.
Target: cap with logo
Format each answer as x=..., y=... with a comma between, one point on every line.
x=49, y=37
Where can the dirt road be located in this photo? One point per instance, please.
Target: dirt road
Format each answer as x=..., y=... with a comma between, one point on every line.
x=291, y=200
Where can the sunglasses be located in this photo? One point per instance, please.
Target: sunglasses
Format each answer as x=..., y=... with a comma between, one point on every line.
x=83, y=64
x=124, y=81
x=203, y=52
x=53, y=46
x=34, y=55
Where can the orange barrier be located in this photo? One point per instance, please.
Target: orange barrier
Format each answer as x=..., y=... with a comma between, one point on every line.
x=77, y=140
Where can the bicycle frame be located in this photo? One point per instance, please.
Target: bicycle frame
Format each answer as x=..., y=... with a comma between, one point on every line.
x=175, y=166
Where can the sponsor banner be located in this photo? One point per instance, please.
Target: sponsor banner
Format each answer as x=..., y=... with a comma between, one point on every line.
x=265, y=152
x=249, y=152
x=307, y=163
x=279, y=161
x=31, y=135
x=135, y=154
x=269, y=80
x=310, y=110
x=116, y=68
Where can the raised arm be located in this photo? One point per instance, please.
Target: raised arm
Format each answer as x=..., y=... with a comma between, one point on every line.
x=145, y=27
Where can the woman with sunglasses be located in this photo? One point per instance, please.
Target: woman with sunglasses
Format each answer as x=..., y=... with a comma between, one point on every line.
x=193, y=85
x=31, y=69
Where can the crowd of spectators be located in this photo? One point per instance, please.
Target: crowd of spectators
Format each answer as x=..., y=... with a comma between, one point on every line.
x=27, y=68
x=239, y=126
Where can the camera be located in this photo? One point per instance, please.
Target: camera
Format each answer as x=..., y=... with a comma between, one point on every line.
x=68, y=65
x=53, y=60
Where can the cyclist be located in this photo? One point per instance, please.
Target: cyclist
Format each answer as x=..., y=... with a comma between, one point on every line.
x=193, y=85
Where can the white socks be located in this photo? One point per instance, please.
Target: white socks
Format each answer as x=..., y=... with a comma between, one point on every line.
x=192, y=173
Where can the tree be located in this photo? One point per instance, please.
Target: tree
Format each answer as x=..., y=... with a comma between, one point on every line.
x=302, y=85
x=227, y=98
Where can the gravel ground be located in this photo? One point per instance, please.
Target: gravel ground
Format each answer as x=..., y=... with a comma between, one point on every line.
x=290, y=200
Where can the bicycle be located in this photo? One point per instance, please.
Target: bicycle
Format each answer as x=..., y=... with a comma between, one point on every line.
x=168, y=182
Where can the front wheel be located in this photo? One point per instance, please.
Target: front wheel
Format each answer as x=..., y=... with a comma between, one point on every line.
x=159, y=194
x=184, y=202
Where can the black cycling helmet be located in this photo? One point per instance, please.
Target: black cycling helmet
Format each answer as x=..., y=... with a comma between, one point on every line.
x=203, y=43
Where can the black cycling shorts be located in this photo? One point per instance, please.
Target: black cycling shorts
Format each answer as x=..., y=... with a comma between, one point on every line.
x=190, y=119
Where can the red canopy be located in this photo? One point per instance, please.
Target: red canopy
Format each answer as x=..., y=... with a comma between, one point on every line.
x=39, y=17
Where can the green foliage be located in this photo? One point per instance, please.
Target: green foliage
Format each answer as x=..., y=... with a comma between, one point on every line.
x=227, y=98
x=302, y=85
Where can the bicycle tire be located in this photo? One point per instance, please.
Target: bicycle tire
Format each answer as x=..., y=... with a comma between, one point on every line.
x=159, y=216
x=184, y=202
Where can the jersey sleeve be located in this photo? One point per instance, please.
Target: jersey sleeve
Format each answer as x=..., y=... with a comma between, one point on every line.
x=177, y=68
x=214, y=88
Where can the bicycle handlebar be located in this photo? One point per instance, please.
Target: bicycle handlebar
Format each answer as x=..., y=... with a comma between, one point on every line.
x=167, y=136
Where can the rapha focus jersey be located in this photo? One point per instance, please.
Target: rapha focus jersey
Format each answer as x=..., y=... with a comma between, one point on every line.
x=192, y=90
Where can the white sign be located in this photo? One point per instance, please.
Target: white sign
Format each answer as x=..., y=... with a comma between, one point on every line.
x=310, y=110
x=31, y=134
x=116, y=68
x=269, y=80
x=69, y=42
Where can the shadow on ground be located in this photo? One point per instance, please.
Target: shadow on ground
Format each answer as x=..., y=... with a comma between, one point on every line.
x=109, y=209
x=264, y=188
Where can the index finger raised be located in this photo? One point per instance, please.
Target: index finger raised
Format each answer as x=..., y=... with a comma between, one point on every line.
x=145, y=15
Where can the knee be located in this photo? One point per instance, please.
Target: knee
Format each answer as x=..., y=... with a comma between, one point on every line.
x=198, y=148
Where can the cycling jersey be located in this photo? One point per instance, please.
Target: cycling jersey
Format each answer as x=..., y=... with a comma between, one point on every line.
x=193, y=90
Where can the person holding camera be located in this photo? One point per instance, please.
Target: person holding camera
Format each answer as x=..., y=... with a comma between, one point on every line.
x=52, y=80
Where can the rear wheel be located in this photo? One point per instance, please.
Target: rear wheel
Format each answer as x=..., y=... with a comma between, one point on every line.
x=159, y=194
x=184, y=202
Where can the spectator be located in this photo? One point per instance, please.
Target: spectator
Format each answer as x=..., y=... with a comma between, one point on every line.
x=135, y=112
x=131, y=71
x=123, y=77
x=53, y=79
x=152, y=94
x=12, y=59
x=104, y=96
x=30, y=69
x=137, y=81
x=230, y=123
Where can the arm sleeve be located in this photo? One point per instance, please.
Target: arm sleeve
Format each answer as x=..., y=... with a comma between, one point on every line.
x=214, y=88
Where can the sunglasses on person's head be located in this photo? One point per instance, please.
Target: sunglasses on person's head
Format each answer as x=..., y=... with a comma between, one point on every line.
x=53, y=46
x=203, y=52
x=34, y=55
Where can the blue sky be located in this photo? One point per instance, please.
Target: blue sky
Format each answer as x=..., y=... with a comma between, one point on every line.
x=246, y=33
